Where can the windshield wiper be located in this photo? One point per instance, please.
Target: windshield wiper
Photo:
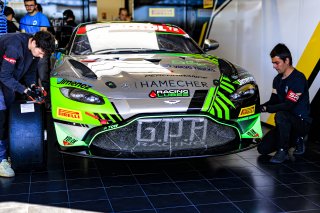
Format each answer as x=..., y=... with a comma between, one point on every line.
x=131, y=50
x=114, y=51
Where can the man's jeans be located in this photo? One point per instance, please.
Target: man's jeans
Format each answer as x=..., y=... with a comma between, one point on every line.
x=3, y=149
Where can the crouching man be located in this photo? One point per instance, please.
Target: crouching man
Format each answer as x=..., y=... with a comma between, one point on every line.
x=19, y=55
x=290, y=101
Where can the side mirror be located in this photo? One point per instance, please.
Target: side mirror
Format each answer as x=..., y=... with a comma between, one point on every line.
x=210, y=44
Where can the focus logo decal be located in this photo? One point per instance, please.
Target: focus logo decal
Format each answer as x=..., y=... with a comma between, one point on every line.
x=169, y=93
x=69, y=114
x=253, y=133
x=292, y=96
x=247, y=111
x=10, y=60
x=69, y=141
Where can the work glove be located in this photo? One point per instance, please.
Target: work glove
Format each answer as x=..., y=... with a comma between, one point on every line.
x=36, y=94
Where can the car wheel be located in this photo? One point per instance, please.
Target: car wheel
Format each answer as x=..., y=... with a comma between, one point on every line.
x=26, y=138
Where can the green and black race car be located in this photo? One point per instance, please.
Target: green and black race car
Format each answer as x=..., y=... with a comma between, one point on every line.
x=146, y=90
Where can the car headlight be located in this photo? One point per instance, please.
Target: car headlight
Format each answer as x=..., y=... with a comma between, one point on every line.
x=81, y=95
x=244, y=92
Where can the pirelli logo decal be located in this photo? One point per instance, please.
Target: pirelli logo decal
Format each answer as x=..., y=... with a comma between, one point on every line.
x=69, y=114
x=247, y=111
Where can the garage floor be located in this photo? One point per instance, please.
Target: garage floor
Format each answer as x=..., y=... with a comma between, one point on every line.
x=244, y=182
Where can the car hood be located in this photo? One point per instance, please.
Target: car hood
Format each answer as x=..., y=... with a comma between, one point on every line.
x=140, y=75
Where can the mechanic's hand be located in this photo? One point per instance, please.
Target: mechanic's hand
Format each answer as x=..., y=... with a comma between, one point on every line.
x=263, y=108
x=38, y=90
x=36, y=94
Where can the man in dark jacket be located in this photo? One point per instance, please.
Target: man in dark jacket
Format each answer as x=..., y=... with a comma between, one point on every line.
x=9, y=13
x=19, y=55
x=290, y=101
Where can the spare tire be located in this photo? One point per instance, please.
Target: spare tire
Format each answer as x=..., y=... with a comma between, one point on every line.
x=27, y=147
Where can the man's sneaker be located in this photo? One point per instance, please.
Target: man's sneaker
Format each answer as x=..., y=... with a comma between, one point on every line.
x=300, y=147
x=280, y=156
x=5, y=169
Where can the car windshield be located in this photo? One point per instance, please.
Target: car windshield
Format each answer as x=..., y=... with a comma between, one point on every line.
x=126, y=38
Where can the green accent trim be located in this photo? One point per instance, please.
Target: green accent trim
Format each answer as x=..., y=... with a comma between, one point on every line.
x=248, y=118
x=209, y=99
x=58, y=100
x=110, y=117
x=212, y=111
x=218, y=110
x=228, y=85
x=169, y=116
x=62, y=134
x=226, y=88
x=224, y=106
x=254, y=127
x=221, y=95
x=225, y=78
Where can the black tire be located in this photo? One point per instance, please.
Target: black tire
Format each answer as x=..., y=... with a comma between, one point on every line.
x=26, y=138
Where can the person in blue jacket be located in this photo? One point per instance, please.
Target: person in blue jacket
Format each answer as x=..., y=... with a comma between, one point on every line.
x=19, y=55
x=34, y=21
x=290, y=102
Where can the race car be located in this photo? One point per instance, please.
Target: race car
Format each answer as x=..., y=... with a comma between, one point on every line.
x=129, y=90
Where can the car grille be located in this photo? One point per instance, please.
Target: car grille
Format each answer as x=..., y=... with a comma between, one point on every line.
x=163, y=137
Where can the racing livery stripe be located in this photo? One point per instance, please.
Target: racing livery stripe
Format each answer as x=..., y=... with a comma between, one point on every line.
x=209, y=99
x=71, y=123
x=99, y=116
x=219, y=111
x=224, y=78
x=224, y=106
x=221, y=95
x=226, y=89
x=228, y=85
x=220, y=104
x=114, y=118
x=197, y=100
x=118, y=115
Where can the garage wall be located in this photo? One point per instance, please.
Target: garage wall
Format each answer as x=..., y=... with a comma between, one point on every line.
x=247, y=30
x=108, y=10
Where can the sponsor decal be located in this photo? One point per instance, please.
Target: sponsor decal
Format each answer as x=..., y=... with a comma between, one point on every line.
x=173, y=132
x=292, y=96
x=111, y=127
x=244, y=81
x=69, y=141
x=188, y=67
x=172, y=84
x=180, y=62
x=253, y=133
x=10, y=60
x=247, y=111
x=161, y=12
x=169, y=93
x=177, y=75
x=73, y=83
x=111, y=85
x=69, y=114
x=146, y=27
